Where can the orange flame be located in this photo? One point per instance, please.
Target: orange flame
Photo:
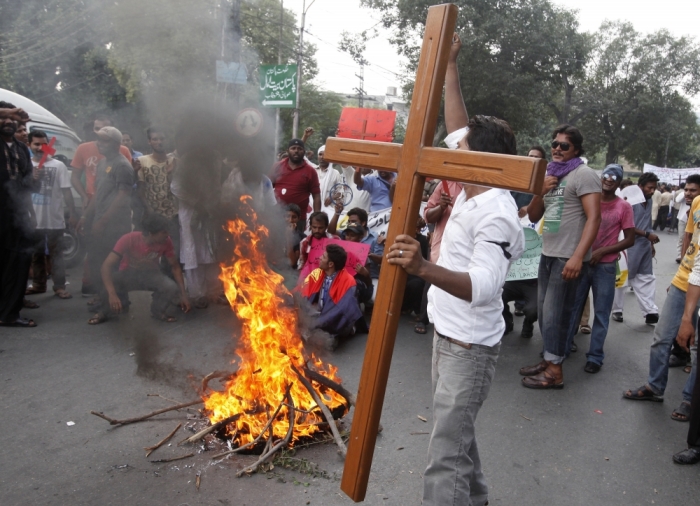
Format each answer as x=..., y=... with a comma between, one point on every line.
x=269, y=345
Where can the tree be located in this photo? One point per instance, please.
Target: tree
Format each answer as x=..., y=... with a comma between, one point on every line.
x=631, y=96
x=51, y=52
x=520, y=59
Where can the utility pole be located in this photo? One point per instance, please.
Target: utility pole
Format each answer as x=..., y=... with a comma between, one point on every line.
x=361, y=90
x=279, y=62
x=304, y=9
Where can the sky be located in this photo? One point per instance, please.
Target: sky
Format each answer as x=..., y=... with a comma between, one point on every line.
x=326, y=20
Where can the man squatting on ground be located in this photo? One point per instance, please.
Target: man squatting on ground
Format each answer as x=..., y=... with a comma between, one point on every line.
x=481, y=237
x=136, y=259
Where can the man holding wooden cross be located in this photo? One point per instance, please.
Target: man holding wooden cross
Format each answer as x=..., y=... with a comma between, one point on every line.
x=415, y=160
x=482, y=236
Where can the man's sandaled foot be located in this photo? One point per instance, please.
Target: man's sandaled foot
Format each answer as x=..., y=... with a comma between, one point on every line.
x=682, y=412
x=642, y=393
x=29, y=304
x=34, y=291
x=19, y=322
x=534, y=369
x=543, y=381
x=97, y=319
x=687, y=457
x=419, y=328
x=62, y=294
x=164, y=318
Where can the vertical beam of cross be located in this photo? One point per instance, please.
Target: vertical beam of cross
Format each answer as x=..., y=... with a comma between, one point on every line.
x=425, y=106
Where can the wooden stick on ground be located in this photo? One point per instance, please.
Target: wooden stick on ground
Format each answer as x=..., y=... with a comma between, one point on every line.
x=113, y=421
x=326, y=382
x=284, y=442
x=324, y=409
x=209, y=429
x=153, y=448
x=162, y=461
x=262, y=432
x=216, y=374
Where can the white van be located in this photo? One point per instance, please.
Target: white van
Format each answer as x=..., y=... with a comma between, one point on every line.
x=41, y=119
x=66, y=143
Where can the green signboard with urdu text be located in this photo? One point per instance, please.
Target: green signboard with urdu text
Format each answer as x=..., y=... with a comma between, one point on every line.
x=278, y=85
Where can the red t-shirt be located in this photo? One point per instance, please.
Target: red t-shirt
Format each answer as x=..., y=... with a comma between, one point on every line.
x=293, y=186
x=86, y=158
x=137, y=254
x=614, y=217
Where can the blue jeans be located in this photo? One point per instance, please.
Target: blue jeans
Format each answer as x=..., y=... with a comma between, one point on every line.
x=600, y=278
x=664, y=335
x=461, y=382
x=556, y=299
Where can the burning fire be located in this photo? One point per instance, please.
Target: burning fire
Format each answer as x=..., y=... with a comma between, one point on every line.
x=269, y=348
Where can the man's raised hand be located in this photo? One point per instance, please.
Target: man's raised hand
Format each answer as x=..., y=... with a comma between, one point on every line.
x=455, y=47
x=17, y=114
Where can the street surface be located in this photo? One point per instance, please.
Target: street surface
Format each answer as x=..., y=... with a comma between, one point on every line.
x=581, y=445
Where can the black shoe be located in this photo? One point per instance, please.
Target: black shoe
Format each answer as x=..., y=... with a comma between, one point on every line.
x=617, y=317
x=687, y=457
x=526, y=333
x=574, y=348
x=676, y=361
x=509, y=328
x=518, y=312
x=592, y=367
x=652, y=318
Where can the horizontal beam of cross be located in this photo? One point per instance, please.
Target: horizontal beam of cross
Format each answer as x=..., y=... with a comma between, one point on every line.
x=519, y=173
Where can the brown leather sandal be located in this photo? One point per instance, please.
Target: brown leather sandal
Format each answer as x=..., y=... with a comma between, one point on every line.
x=543, y=381
x=532, y=370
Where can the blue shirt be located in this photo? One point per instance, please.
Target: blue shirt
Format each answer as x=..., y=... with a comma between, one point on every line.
x=378, y=190
x=374, y=249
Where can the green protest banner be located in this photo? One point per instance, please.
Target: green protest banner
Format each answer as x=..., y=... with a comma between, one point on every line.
x=278, y=85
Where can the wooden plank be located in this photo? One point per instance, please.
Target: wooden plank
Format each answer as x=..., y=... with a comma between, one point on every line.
x=425, y=106
x=519, y=173
x=367, y=154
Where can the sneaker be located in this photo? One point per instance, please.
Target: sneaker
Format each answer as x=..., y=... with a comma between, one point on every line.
x=652, y=318
x=617, y=317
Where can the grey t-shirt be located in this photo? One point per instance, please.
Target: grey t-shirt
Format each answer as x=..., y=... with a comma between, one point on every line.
x=113, y=174
x=564, y=217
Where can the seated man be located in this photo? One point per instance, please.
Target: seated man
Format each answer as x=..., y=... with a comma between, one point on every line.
x=355, y=233
x=331, y=291
x=358, y=217
x=293, y=236
x=137, y=256
x=318, y=222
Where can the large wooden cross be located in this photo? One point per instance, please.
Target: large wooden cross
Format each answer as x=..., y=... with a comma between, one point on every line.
x=414, y=160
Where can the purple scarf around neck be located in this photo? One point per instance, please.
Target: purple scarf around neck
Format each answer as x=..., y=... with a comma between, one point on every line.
x=561, y=169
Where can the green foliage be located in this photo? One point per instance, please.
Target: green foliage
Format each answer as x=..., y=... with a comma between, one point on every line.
x=320, y=110
x=527, y=62
x=630, y=100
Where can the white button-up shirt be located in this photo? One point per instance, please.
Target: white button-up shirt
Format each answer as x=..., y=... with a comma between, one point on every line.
x=478, y=234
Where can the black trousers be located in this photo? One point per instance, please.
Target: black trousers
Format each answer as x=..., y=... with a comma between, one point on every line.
x=523, y=290
x=694, y=429
x=14, y=273
x=661, y=218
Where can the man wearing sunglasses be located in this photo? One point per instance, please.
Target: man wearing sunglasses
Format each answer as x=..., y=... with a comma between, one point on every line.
x=570, y=205
x=616, y=216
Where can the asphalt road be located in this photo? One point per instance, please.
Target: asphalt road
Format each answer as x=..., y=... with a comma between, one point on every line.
x=582, y=445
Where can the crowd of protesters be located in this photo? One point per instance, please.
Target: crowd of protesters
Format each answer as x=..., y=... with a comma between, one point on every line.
x=147, y=227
